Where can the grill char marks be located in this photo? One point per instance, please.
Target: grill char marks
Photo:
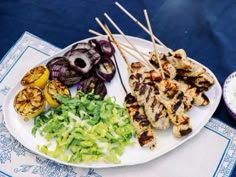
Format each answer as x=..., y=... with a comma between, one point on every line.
x=145, y=134
x=168, y=68
x=145, y=137
x=176, y=106
x=143, y=89
x=199, y=97
x=146, y=97
x=185, y=132
x=168, y=99
x=160, y=108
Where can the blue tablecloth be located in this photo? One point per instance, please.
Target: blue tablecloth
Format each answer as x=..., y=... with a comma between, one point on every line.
x=205, y=29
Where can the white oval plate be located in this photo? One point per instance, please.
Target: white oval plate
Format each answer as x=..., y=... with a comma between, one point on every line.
x=133, y=154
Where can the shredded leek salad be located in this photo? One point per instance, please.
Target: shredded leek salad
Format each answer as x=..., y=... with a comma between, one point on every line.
x=85, y=128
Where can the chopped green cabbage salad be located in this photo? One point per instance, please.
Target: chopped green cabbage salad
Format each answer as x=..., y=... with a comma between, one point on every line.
x=85, y=128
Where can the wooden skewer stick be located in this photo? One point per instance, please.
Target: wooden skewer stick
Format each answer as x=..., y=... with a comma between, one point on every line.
x=117, y=44
x=95, y=32
x=133, y=55
x=123, y=35
x=109, y=37
x=123, y=46
x=112, y=38
x=141, y=25
x=109, y=34
x=153, y=42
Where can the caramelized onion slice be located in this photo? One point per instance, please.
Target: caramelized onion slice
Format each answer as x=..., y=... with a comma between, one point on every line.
x=94, y=85
x=105, y=69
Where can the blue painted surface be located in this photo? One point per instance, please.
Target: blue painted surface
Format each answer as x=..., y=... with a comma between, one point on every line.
x=205, y=29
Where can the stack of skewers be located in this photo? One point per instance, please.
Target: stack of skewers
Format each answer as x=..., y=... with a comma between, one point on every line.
x=164, y=86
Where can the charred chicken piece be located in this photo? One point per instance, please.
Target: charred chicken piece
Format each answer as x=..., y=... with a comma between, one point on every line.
x=137, y=67
x=179, y=59
x=199, y=97
x=203, y=82
x=168, y=68
x=145, y=134
x=173, y=100
x=188, y=98
x=184, y=128
x=146, y=97
x=143, y=75
x=192, y=72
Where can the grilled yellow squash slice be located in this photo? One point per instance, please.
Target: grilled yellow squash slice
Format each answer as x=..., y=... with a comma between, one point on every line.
x=29, y=102
x=37, y=76
x=53, y=88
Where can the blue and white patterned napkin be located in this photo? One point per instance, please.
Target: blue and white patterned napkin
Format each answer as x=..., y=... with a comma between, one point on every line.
x=210, y=153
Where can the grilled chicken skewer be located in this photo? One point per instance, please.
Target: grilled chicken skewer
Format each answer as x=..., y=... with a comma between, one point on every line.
x=145, y=134
x=192, y=84
x=187, y=70
x=169, y=90
x=154, y=78
x=168, y=68
x=192, y=96
x=163, y=121
x=146, y=97
x=144, y=75
x=159, y=111
x=172, y=98
x=169, y=99
x=141, y=81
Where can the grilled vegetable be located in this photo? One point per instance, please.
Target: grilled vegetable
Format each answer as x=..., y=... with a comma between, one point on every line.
x=83, y=57
x=69, y=76
x=61, y=69
x=83, y=46
x=104, y=47
x=55, y=66
x=37, y=76
x=93, y=85
x=52, y=89
x=105, y=69
x=57, y=61
x=29, y=102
